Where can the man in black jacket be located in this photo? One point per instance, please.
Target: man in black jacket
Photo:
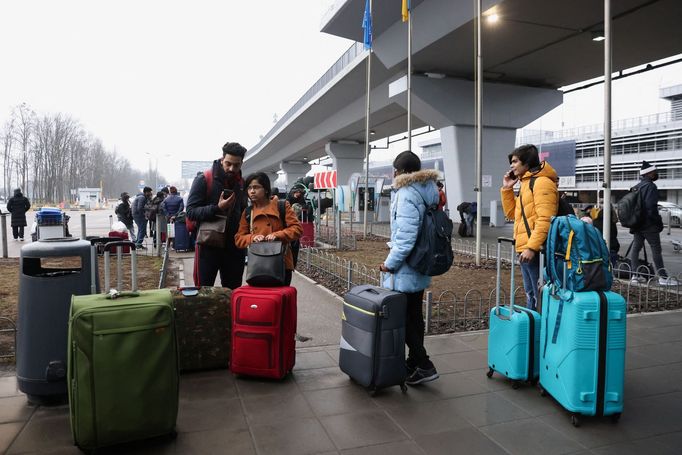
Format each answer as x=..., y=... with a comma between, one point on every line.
x=206, y=201
x=650, y=226
x=125, y=214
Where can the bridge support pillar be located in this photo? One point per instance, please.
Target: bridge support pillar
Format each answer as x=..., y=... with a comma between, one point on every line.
x=293, y=171
x=347, y=159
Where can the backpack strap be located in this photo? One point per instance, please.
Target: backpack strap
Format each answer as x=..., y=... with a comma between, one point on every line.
x=523, y=213
x=208, y=175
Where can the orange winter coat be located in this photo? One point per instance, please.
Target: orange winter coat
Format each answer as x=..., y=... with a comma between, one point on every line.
x=539, y=205
x=266, y=221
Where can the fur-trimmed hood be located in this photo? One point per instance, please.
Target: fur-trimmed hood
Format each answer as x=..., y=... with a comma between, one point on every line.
x=416, y=177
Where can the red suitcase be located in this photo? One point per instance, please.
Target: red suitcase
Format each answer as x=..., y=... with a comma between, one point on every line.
x=263, y=331
x=308, y=237
x=122, y=236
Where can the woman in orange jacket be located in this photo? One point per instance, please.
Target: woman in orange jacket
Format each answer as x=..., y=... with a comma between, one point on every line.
x=265, y=223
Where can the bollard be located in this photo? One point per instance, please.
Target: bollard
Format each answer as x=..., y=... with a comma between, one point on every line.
x=427, y=313
x=669, y=223
x=350, y=275
x=111, y=221
x=3, y=232
x=83, y=226
x=157, y=234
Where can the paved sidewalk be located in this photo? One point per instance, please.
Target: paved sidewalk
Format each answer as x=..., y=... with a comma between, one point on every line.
x=318, y=410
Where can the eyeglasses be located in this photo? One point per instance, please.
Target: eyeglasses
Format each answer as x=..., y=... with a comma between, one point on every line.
x=254, y=187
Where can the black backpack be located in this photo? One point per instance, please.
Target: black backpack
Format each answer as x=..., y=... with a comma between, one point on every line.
x=630, y=209
x=563, y=207
x=432, y=253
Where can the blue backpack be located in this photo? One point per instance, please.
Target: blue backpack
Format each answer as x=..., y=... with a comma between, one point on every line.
x=581, y=249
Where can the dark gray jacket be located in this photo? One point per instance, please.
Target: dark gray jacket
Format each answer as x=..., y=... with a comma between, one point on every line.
x=651, y=219
x=18, y=205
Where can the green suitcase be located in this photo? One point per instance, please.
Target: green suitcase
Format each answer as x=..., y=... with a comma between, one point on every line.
x=122, y=367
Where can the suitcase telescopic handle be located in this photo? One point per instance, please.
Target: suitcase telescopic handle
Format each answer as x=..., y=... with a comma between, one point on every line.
x=498, y=284
x=119, y=267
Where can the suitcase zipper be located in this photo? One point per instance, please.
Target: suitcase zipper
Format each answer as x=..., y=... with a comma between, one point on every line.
x=361, y=310
x=601, y=372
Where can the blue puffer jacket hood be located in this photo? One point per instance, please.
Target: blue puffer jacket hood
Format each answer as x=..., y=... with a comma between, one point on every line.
x=412, y=192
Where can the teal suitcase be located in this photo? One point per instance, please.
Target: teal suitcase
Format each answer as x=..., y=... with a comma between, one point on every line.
x=582, y=351
x=122, y=366
x=514, y=335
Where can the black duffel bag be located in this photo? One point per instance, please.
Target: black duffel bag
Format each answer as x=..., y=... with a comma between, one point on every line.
x=625, y=271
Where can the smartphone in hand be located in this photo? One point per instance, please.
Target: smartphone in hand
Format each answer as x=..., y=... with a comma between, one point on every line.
x=511, y=175
x=227, y=193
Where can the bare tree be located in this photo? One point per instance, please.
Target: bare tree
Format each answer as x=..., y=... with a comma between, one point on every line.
x=25, y=121
x=7, y=143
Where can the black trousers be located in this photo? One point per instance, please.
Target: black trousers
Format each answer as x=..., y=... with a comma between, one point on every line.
x=414, y=332
x=209, y=261
x=17, y=232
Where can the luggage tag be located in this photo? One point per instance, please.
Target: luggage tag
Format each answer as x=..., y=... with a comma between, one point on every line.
x=189, y=292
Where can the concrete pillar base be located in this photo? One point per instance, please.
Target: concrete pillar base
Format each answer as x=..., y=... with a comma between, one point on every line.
x=347, y=159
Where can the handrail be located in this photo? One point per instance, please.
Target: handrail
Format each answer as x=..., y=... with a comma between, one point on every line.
x=542, y=136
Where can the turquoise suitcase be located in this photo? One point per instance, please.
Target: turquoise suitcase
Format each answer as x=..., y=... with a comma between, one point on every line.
x=582, y=351
x=514, y=335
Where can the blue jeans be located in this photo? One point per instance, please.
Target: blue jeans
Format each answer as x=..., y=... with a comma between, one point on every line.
x=141, y=230
x=531, y=276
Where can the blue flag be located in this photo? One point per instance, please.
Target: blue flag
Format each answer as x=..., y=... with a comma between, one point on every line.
x=367, y=26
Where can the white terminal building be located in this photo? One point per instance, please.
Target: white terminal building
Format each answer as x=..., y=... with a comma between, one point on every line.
x=656, y=138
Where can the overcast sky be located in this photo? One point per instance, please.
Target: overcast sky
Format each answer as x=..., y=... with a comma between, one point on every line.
x=164, y=77
x=178, y=79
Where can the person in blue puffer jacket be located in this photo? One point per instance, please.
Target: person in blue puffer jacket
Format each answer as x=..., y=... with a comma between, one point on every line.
x=172, y=205
x=413, y=189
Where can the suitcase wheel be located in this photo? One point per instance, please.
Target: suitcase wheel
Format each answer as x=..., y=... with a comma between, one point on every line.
x=615, y=417
x=534, y=382
x=516, y=385
x=490, y=373
x=543, y=392
x=575, y=420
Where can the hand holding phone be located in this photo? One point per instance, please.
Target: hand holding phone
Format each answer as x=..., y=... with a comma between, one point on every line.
x=509, y=179
x=227, y=193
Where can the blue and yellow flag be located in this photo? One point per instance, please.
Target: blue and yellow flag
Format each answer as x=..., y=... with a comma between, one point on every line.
x=367, y=26
x=406, y=10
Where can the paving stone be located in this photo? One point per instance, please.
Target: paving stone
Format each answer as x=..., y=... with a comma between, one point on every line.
x=219, y=384
x=215, y=442
x=637, y=448
x=427, y=418
x=488, y=409
x=322, y=378
x=294, y=436
x=15, y=409
x=460, y=361
x=8, y=387
x=436, y=345
x=314, y=359
x=268, y=409
x=8, y=432
x=362, y=429
x=46, y=430
x=204, y=415
x=528, y=398
x=340, y=401
x=529, y=437
x=248, y=386
x=393, y=448
x=464, y=441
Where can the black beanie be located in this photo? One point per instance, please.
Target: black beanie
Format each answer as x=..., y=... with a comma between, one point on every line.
x=646, y=168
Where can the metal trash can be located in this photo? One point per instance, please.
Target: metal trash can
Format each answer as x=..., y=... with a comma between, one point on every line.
x=45, y=290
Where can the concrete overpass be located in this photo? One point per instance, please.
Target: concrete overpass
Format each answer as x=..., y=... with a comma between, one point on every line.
x=536, y=47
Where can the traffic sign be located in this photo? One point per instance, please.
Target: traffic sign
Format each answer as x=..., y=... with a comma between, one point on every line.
x=325, y=180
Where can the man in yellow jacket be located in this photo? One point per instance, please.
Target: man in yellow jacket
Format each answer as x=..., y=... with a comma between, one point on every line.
x=532, y=211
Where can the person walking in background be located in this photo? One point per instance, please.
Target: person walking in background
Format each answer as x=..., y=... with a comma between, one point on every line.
x=172, y=205
x=442, y=198
x=413, y=190
x=206, y=200
x=18, y=205
x=139, y=203
x=650, y=225
x=265, y=224
x=125, y=214
x=532, y=211
x=151, y=211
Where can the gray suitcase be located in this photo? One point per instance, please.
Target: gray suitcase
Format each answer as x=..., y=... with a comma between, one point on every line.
x=373, y=337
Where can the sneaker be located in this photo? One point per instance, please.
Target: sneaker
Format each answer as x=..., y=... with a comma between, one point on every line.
x=21, y=239
x=638, y=280
x=669, y=281
x=420, y=376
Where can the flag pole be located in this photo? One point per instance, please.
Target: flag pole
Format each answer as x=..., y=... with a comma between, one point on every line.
x=606, y=228
x=367, y=108
x=409, y=76
x=479, y=133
